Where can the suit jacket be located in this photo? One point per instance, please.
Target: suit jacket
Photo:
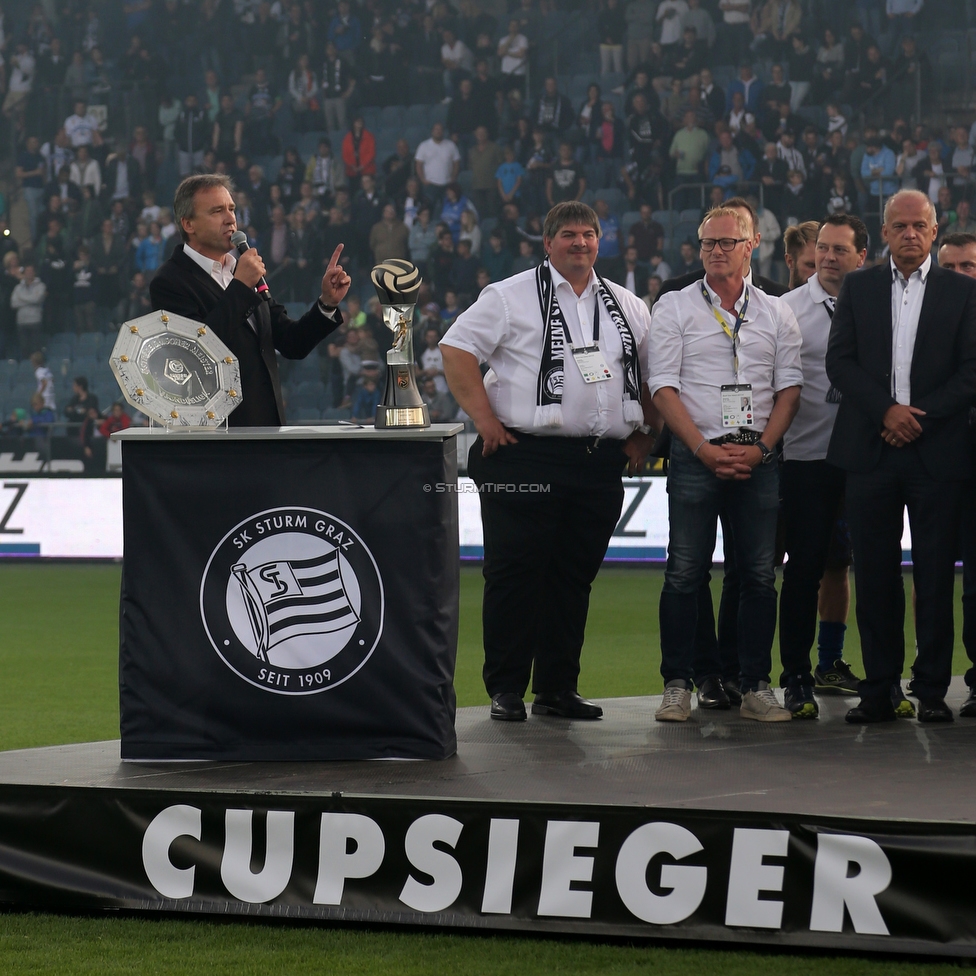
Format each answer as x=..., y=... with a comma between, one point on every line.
x=642, y=272
x=182, y=287
x=943, y=379
x=767, y=285
x=111, y=177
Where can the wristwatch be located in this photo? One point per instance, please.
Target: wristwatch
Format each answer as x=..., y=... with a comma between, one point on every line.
x=767, y=454
x=327, y=310
x=644, y=429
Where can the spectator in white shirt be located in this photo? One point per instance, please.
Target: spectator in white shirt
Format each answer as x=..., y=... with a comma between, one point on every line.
x=728, y=397
x=45, y=380
x=85, y=171
x=458, y=63
x=27, y=301
x=541, y=421
x=21, y=81
x=438, y=163
x=669, y=16
x=81, y=127
x=513, y=49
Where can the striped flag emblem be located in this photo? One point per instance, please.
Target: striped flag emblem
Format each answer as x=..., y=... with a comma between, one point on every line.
x=294, y=598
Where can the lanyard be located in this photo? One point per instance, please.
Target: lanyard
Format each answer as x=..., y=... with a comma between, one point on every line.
x=732, y=333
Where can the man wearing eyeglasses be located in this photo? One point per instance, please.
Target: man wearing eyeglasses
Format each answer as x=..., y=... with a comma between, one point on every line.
x=726, y=377
x=716, y=655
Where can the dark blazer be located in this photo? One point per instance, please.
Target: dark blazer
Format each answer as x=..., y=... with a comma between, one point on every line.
x=769, y=286
x=943, y=376
x=110, y=176
x=182, y=287
x=642, y=272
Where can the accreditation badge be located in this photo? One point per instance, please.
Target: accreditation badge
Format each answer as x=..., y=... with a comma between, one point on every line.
x=737, y=405
x=592, y=366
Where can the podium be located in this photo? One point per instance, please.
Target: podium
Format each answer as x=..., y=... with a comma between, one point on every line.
x=289, y=593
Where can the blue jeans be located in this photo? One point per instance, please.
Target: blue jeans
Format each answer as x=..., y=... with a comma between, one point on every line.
x=695, y=499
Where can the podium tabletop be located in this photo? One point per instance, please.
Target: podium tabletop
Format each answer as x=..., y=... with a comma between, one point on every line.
x=340, y=431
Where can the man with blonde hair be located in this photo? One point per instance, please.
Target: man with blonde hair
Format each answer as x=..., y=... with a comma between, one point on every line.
x=726, y=377
x=902, y=355
x=800, y=242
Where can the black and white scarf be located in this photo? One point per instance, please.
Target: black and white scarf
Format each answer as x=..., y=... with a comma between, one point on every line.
x=549, y=389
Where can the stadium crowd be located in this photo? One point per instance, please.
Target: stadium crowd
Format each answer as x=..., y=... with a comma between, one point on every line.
x=439, y=132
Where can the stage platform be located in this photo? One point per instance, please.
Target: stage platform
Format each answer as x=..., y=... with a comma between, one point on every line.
x=720, y=829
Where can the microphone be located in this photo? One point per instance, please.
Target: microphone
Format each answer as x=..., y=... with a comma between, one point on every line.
x=239, y=240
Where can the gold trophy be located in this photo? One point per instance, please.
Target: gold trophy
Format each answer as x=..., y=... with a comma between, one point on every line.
x=397, y=283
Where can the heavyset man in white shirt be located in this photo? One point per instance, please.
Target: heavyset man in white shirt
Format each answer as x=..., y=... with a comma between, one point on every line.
x=726, y=377
x=562, y=408
x=812, y=489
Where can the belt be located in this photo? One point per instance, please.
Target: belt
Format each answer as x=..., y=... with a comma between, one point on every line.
x=570, y=445
x=740, y=436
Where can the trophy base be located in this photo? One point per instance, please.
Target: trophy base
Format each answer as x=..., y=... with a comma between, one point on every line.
x=402, y=416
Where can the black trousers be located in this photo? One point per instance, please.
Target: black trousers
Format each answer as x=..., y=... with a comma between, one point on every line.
x=875, y=507
x=968, y=547
x=812, y=495
x=543, y=549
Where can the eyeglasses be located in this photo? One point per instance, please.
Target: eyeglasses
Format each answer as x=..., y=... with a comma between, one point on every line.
x=725, y=243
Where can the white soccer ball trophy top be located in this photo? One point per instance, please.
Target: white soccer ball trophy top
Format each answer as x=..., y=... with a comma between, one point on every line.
x=176, y=371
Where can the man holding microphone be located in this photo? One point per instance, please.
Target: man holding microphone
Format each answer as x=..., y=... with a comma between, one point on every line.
x=207, y=280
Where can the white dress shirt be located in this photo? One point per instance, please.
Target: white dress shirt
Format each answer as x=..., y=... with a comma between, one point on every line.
x=504, y=329
x=906, y=305
x=809, y=434
x=690, y=352
x=221, y=271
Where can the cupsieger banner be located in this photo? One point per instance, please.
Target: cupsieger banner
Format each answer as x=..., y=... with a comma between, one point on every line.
x=588, y=870
x=288, y=599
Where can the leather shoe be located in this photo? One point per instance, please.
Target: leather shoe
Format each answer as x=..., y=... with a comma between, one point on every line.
x=712, y=694
x=508, y=707
x=933, y=710
x=731, y=686
x=868, y=711
x=968, y=709
x=565, y=704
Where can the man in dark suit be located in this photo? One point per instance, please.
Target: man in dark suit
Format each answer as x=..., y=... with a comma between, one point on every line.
x=902, y=354
x=632, y=273
x=717, y=659
x=205, y=280
x=121, y=177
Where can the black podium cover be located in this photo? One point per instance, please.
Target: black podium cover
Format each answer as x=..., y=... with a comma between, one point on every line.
x=289, y=594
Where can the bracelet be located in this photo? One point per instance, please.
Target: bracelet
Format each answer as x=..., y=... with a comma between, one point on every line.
x=704, y=440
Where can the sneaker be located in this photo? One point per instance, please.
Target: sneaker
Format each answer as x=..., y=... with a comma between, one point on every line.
x=838, y=680
x=762, y=705
x=902, y=706
x=676, y=704
x=798, y=699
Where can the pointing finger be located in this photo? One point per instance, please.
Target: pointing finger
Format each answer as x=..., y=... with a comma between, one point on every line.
x=335, y=257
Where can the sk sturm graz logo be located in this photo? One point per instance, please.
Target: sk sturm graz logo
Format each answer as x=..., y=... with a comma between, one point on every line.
x=292, y=601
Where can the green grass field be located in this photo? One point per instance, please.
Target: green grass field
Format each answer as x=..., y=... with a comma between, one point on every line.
x=58, y=659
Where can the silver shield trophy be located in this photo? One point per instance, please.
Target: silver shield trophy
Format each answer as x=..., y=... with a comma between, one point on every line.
x=176, y=371
x=397, y=283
